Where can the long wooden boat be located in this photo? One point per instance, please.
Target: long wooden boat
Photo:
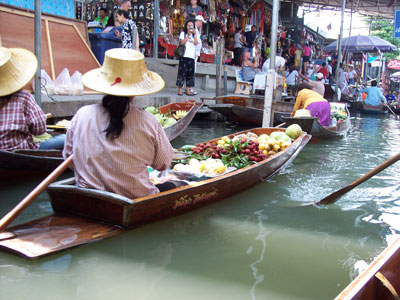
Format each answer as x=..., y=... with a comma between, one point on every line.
x=84, y=215
x=41, y=162
x=249, y=109
x=28, y=162
x=380, y=280
x=313, y=126
x=373, y=109
x=176, y=129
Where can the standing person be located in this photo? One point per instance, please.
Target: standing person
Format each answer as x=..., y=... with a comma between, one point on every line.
x=20, y=116
x=324, y=70
x=292, y=51
x=249, y=68
x=189, y=38
x=306, y=55
x=250, y=37
x=297, y=56
x=351, y=75
x=113, y=142
x=314, y=102
x=129, y=35
x=343, y=79
x=193, y=10
x=238, y=48
x=292, y=77
x=199, y=21
x=317, y=85
x=126, y=6
x=374, y=94
x=102, y=19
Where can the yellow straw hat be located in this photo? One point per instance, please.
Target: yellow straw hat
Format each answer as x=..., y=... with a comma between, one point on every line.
x=17, y=68
x=302, y=113
x=123, y=73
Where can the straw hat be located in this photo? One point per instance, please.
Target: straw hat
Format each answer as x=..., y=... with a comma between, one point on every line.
x=17, y=68
x=123, y=73
x=302, y=113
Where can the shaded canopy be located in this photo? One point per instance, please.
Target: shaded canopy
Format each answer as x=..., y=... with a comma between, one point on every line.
x=363, y=43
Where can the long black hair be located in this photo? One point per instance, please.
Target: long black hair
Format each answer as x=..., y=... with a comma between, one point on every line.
x=185, y=28
x=117, y=107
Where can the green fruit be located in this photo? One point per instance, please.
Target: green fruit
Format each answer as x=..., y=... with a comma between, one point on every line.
x=159, y=118
x=168, y=122
x=151, y=109
x=294, y=131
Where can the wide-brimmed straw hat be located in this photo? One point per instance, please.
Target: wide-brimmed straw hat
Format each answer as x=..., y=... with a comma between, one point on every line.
x=302, y=113
x=123, y=73
x=17, y=68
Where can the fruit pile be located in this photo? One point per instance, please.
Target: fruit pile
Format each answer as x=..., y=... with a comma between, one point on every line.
x=242, y=150
x=168, y=118
x=339, y=113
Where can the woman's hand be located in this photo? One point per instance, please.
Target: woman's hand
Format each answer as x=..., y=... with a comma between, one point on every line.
x=117, y=33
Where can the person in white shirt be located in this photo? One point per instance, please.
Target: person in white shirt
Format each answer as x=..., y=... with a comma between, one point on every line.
x=189, y=38
x=198, y=22
x=351, y=74
x=292, y=77
x=279, y=64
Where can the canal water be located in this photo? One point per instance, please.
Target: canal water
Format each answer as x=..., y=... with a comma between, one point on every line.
x=259, y=244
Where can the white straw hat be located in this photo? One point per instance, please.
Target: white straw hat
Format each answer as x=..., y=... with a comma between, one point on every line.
x=123, y=73
x=17, y=68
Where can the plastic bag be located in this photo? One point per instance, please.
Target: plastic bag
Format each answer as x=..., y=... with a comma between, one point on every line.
x=63, y=83
x=77, y=86
x=46, y=83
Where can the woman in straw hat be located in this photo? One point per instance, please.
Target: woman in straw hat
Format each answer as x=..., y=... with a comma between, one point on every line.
x=114, y=142
x=314, y=102
x=20, y=116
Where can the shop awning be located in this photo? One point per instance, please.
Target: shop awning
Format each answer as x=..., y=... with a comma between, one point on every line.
x=394, y=64
x=378, y=8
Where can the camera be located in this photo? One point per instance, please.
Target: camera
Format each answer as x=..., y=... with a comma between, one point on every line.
x=190, y=27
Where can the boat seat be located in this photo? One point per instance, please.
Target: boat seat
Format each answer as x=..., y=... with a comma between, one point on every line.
x=242, y=86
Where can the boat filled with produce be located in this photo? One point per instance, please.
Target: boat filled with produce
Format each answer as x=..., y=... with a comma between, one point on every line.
x=227, y=154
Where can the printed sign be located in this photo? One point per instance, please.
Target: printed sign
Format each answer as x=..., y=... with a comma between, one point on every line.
x=396, y=29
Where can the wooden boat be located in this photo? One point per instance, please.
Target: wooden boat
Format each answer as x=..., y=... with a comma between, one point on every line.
x=28, y=162
x=249, y=109
x=373, y=109
x=83, y=215
x=312, y=126
x=41, y=162
x=176, y=129
x=380, y=280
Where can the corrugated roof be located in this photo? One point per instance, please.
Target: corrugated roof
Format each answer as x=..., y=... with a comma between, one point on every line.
x=376, y=8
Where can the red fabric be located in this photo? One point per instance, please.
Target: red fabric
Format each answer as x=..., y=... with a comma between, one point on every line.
x=324, y=71
x=20, y=118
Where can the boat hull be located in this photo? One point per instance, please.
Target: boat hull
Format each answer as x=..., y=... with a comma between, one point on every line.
x=380, y=280
x=91, y=215
x=373, y=109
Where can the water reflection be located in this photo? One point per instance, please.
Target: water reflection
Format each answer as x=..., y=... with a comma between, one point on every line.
x=260, y=244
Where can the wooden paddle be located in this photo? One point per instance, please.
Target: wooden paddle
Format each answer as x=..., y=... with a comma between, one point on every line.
x=395, y=116
x=280, y=125
x=334, y=196
x=12, y=214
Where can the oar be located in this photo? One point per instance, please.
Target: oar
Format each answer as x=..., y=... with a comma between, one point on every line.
x=12, y=214
x=395, y=116
x=334, y=196
x=280, y=125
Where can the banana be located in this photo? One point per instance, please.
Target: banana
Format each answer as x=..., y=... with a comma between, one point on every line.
x=179, y=114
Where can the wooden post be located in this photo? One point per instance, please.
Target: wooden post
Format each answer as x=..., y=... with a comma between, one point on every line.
x=156, y=25
x=53, y=74
x=219, y=66
x=270, y=80
x=38, y=50
x=339, y=43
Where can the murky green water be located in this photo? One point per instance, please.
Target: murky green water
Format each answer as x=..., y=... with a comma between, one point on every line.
x=260, y=244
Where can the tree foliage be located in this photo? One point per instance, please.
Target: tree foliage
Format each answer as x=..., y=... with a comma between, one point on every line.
x=383, y=29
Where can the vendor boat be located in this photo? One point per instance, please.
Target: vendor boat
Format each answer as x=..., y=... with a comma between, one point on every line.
x=84, y=215
x=373, y=109
x=249, y=109
x=380, y=280
x=313, y=126
x=42, y=162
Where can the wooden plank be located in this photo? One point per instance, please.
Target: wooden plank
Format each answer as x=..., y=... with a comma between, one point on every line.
x=87, y=46
x=54, y=233
x=53, y=74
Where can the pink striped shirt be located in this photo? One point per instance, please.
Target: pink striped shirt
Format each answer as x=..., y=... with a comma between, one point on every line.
x=20, y=118
x=119, y=165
